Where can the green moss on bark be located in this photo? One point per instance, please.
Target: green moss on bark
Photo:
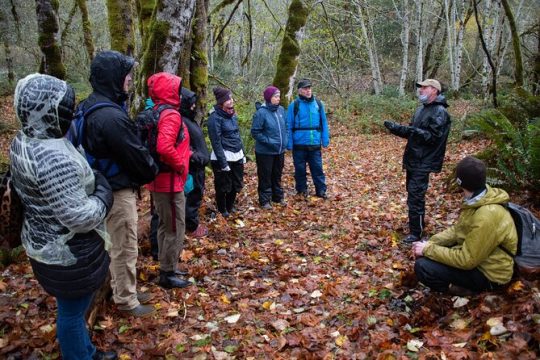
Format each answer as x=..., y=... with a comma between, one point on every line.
x=51, y=63
x=290, y=48
x=120, y=26
x=156, y=40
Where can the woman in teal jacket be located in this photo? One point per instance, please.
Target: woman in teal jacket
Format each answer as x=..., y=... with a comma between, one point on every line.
x=270, y=133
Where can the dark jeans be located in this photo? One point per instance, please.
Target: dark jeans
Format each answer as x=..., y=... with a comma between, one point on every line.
x=227, y=184
x=194, y=198
x=417, y=185
x=314, y=159
x=269, y=171
x=438, y=276
x=71, y=331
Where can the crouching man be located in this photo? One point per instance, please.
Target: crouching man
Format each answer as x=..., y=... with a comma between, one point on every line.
x=472, y=255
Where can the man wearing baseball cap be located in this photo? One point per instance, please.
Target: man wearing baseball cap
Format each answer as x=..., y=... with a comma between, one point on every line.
x=424, y=153
x=307, y=133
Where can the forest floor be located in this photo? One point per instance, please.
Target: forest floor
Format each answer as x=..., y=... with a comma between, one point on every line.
x=314, y=279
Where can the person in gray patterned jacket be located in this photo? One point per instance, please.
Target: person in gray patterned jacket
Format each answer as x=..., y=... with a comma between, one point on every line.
x=64, y=205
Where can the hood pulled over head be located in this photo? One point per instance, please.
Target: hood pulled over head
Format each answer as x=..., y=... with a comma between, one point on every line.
x=188, y=99
x=108, y=72
x=44, y=106
x=164, y=88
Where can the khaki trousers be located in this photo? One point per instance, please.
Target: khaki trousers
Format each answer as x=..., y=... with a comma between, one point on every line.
x=122, y=227
x=170, y=241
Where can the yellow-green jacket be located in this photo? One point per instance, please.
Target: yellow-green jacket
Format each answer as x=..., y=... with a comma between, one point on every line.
x=475, y=240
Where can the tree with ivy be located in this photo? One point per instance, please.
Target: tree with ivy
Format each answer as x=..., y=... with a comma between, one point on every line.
x=48, y=30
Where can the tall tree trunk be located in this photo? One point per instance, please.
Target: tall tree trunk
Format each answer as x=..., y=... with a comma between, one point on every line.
x=405, y=31
x=121, y=26
x=431, y=42
x=449, y=13
x=419, y=40
x=87, y=29
x=199, y=59
x=47, y=19
x=463, y=20
x=4, y=35
x=489, y=36
x=370, y=46
x=290, y=49
x=67, y=25
x=536, y=69
x=488, y=56
x=166, y=38
x=515, y=42
x=16, y=19
x=145, y=8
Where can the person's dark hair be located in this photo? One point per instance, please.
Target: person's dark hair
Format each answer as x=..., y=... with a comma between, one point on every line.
x=66, y=109
x=471, y=174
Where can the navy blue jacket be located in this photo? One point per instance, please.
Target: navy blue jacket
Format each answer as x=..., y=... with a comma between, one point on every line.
x=269, y=129
x=224, y=134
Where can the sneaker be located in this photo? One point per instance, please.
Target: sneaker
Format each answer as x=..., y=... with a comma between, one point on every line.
x=179, y=272
x=409, y=239
x=140, y=311
x=199, y=232
x=144, y=298
x=105, y=355
x=266, y=206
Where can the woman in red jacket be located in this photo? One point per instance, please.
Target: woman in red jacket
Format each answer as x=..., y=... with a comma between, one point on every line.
x=168, y=187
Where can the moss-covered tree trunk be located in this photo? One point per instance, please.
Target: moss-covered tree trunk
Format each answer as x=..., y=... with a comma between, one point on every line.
x=145, y=8
x=199, y=59
x=515, y=42
x=290, y=49
x=121, y=26
x=166, y=38
x=87, y=29
x=48, y=33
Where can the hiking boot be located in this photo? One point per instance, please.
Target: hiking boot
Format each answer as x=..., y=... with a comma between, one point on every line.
x=281, y=202
x=168, y=280
x=459, y=291
x=105, y=355
x=266, y=206
x=322, y=195
x=140, y=311
x=225, y=214
x=179, y=272
x=144, y=298
x=409, y=239
x=199, y=232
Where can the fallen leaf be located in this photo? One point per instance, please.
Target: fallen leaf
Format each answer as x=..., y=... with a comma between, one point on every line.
x=316, y=294
x=224, y=299
x=460, y=301
x=414, y=345
x=232, y=318
x=280, y=324
x=340, y=340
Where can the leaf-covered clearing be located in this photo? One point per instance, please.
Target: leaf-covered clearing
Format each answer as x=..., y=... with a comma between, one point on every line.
x=315, y=279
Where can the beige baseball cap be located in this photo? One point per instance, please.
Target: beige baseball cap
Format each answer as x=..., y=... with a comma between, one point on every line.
x=430, y=82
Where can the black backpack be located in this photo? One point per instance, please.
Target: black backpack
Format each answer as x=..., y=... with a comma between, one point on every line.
x=147, y=121
x=527, y=258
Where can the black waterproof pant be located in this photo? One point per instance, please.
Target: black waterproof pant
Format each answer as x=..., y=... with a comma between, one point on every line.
x=194, y=198
x=269, y=171
x=438, y=276
x=227, y=184
x=417, y=184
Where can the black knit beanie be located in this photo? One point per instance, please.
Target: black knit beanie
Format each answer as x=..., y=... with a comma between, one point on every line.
x=471, y=174
x=222, y=95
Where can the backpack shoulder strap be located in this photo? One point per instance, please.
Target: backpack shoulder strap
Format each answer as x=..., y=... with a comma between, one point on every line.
x=157, y=114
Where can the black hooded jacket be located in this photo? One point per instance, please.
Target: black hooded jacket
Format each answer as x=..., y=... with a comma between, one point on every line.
x=110, y=133
x=200, y=156
x=427, y=136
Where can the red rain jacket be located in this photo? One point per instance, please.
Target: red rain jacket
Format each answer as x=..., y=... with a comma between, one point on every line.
x=164, y=88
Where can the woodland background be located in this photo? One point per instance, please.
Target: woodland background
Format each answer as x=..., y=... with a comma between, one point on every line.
x=314, y=279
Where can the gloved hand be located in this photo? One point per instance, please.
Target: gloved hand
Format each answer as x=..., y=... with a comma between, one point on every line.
x=226, y=168
x=390, y=125
x=103, y=190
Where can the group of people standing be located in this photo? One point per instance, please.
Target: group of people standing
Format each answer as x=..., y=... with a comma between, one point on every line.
x=80, y=204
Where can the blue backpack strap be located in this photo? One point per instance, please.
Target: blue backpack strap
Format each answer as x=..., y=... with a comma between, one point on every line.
x=296, y=107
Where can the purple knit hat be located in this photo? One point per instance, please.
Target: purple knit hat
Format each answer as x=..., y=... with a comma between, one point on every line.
x=269, y=92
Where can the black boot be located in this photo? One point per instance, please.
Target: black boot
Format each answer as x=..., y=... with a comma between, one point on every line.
x=105, y=355
x=221, y=202
x=231, y=198
x=168, y=280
